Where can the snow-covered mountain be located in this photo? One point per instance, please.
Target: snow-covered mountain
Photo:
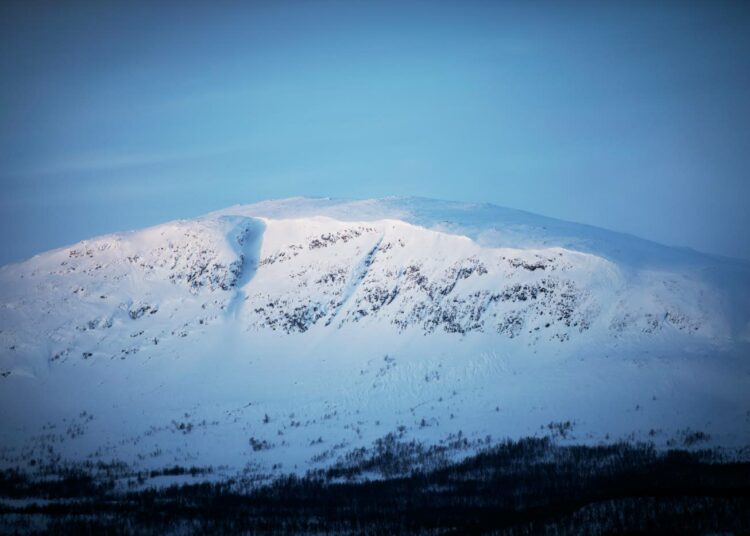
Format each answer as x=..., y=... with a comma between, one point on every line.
x=280, y=336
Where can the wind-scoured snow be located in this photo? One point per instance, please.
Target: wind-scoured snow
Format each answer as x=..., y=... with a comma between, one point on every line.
x=277, y=337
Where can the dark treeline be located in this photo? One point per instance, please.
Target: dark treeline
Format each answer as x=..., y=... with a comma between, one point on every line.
x=529, y=486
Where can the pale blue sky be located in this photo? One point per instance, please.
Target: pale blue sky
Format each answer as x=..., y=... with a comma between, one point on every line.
x=631, y=116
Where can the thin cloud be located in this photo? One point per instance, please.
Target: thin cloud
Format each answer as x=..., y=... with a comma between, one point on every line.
x=109, y=161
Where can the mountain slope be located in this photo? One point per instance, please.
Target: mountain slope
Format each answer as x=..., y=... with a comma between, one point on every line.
x=291, y=332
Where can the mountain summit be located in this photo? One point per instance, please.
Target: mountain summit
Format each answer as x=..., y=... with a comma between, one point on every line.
x=284, y=334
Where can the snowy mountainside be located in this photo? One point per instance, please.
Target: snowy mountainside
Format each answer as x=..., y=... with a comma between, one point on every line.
x=291, y=332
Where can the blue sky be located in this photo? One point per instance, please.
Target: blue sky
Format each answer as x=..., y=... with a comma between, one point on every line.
x=630, y=116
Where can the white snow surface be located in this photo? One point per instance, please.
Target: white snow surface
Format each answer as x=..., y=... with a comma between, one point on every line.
x=279, y=336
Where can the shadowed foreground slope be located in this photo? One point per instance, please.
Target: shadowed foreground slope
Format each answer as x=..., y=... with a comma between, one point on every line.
x=523, y=487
